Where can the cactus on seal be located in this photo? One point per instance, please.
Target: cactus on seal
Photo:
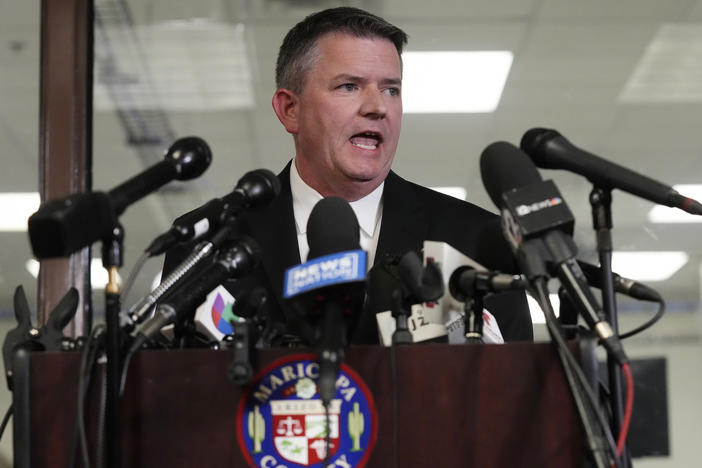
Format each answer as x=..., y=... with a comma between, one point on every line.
x=355, y=427
x=257, y=429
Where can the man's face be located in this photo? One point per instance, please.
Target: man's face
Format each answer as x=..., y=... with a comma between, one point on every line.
x=349, y=115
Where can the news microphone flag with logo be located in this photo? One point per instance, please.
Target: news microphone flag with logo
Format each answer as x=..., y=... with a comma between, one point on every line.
x=214, y=317
x=336, y=268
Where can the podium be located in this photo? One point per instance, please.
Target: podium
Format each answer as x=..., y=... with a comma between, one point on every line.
x=437, y=406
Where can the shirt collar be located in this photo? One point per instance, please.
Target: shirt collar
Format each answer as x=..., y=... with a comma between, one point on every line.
x=305, y=197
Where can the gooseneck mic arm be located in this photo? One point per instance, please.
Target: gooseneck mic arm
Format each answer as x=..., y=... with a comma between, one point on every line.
x=236, y=261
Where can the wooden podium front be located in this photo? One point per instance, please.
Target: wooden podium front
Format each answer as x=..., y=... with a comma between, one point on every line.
x=437, y=406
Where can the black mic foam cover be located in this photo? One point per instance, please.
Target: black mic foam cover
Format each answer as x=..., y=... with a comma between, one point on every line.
x=532, y=142
x=260, y=186
x=505, y=167
x=191, y=156
x=332, y=227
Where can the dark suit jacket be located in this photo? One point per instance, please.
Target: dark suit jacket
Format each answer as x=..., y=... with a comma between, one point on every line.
x=411, y=215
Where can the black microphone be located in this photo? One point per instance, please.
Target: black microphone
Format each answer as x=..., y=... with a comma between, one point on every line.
x=63, y=226
x=534, y=216
x=523, y=170
x=234, y=262
x=548, y=149
x=465, y=282
x=529, y=206
x=327, y=290
x=255, y=188
x=622, y=285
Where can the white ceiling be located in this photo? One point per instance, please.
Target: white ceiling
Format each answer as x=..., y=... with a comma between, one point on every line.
x=572, y=60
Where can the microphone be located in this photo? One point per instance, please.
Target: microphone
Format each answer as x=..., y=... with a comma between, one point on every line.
x=417, y=284
x=534, y=216
x=255, y=188
x=327, y=290
x=466, y=282
x=249, y=306
x=550, y=150
x=491, y=235
x=238, y=260
x=622, y=285
x=470, y=286
x=63, y=226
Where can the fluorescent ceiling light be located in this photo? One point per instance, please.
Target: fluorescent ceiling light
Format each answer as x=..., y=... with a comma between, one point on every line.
x=648, y=266
x=197, y=64
x=16, y=208
x=664, y=214
x=456, y=192
x=98, y=275
x=537, y=315
x=670, y=69
x=454, y=81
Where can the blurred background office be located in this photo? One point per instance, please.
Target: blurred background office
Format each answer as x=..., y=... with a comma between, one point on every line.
x=619, y=78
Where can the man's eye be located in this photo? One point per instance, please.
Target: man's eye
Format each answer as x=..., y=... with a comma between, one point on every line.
x=393, y=91
x=348, y=87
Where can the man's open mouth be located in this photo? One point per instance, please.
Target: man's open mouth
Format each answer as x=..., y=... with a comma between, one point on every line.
x=366, y=140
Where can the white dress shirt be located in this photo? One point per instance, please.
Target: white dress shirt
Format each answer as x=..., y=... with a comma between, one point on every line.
x=368, y=210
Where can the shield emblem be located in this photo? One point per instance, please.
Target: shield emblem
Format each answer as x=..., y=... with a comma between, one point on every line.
x=299, y=430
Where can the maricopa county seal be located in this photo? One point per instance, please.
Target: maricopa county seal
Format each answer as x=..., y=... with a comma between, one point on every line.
x=281, y=421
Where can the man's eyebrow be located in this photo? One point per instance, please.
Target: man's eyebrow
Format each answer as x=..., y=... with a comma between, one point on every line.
x=347, y=77
x=392, y=81
x=360, y=79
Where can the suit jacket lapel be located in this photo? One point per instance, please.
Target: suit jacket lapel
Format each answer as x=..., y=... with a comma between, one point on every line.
x=404, y=226
x=274, y=229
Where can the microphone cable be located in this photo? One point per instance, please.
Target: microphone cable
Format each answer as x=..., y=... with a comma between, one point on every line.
x=133, y=274
x=327, y=435
x=89, y=356
x=649, y=323
x=628, y=407
x=6, y=419
x=587, y=408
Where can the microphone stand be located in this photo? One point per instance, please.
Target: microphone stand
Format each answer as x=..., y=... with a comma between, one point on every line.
x=473, y=318
x=601, y=203
x=401, y=310
x=111, y=260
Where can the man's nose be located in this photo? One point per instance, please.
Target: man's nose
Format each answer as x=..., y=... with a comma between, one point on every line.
x=373, y=105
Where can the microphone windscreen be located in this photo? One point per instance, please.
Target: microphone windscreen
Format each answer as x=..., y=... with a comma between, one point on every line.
x=191, y=156
x=383, y=280
x=505, y=167
x=260, y=186
x=332, y=227
x=533, y=142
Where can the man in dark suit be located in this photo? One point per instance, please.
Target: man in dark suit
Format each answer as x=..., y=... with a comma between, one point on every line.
x=339, y=80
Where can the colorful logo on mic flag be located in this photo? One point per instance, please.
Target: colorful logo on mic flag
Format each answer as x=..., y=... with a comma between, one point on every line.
x=281, y=421
x=222, y=315
x=214, y=317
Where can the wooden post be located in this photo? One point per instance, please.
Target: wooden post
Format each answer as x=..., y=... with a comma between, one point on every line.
x=65, y=140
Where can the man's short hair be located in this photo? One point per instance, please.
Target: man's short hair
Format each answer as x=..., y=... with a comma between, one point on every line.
x=298, y=51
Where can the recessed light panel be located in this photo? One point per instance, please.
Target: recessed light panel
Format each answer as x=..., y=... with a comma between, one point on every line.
x=197, y=65
x=454, y=81
x=648, y=266
x=670, y=69
x=98, y=274
x=16, y=208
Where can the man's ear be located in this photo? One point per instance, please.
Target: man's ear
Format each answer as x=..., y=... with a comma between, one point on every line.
x=286, y=107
